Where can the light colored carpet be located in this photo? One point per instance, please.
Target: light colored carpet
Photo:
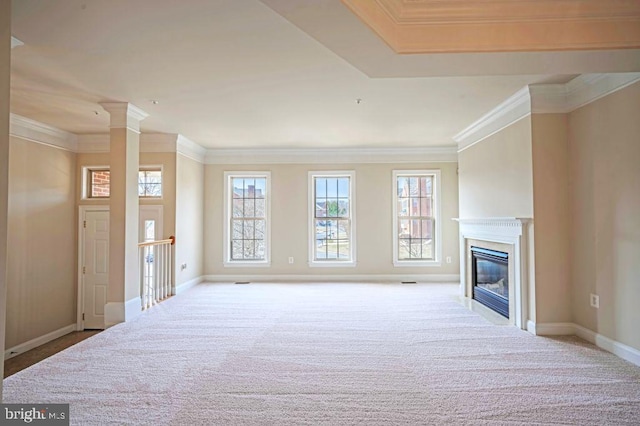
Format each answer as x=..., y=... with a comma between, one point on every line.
x=332, y=354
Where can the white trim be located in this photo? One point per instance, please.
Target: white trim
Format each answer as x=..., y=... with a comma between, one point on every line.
x=35, y=131
x=34, y=343
x=531, y=327
x=505, y=230
x=190, y=149
x=437, y=201
x=446, y=154
x=621, y=350
x=505, y=114
x=541, y=99
x=181, y=288
x=228, y=208
x=82, y=210
x=124, y=115
x=132, y=308
x=420, y=278
x=114, y=313
x=588, y=88
x=312, y=262
x=15, y=42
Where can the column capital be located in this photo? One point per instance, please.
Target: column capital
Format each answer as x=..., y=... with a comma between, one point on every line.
x=124, y=115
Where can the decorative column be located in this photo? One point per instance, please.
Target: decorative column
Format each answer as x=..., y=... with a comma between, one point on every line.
x=5, y=71
x=123, y=294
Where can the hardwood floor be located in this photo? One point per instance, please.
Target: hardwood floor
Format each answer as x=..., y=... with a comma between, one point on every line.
x=35, y=355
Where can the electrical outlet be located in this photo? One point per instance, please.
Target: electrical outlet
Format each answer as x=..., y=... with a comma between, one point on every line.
x=448, y=259
x=291, y=260
x=183, y=266
x=595, y=301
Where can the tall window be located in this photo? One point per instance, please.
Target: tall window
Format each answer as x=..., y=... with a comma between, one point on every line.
x=331, y=210
x=247, y=218
x=416, y=226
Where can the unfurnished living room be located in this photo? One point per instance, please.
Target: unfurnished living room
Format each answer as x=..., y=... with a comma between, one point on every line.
x=332, y=212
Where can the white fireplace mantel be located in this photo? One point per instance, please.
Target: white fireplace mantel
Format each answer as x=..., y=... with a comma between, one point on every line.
x=506, y=230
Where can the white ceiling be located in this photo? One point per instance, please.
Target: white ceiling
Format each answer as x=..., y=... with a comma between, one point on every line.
x=260, y=74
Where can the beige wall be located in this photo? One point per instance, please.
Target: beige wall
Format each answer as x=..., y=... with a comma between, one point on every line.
x=289, y=220
x=42, y=261
x=189, y=219
x=552, y=217
x=5, y=71
x=604, y=171
x=496, y=174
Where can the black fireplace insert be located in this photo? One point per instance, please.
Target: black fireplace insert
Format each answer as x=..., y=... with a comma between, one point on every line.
x=490, y=278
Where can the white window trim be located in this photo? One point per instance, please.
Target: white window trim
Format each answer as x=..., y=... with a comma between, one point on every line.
x=226, y=241
x=437, y=216
x=86, y=173
x=352, y=214
x=153, y=167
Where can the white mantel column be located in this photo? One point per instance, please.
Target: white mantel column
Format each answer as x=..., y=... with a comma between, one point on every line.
x=123, y=295
x=5, y=71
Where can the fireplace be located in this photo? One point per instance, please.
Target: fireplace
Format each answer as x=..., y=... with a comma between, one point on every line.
x=490, y=279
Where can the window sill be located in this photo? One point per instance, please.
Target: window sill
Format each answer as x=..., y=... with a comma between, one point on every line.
x=328, y=264
x=420, y=263
x=242, y=264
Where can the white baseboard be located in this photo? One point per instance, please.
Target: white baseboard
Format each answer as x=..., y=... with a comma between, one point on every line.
x=189, y=284
x=531, y=327
x=34, y=343
x=568, y=329
x=114, y=313
x=420, y=278
x=132, y=308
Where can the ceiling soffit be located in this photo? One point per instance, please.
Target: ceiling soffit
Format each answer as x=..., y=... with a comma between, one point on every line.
x=437, y=26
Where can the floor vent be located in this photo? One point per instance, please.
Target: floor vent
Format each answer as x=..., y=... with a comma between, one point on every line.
x=242, y=282
x=408, y=282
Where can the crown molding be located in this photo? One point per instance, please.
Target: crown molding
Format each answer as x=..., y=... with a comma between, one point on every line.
x=124, y=115
x=544, y=99
x=15, y=42
x=582, y=90
x=508, y=112
x=331, y=155
x=436, y=26
x=190, y=149
x=35, y=131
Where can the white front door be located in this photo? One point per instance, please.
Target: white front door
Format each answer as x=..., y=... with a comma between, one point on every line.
x=95, y=268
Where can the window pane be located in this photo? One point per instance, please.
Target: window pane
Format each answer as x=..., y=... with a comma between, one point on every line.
x=416, y=249
x=238, y=187
x=343, y=229
x=248, y=229
x=403, y=186
x=343, y=207
x=260, y=207
x=403, y=228
x=260, y=249
x=425, y=207
x=332, y=188
x=403, y=207
x=413, y=186
x=403, y=248
x=332, y=208
x=343, y=249
x=321, y=188
x=249, y=208
x=321, y=208
x=261, y=188
x=249, y=249
x=427, y=249
x=238, y=207
x=425, y=186
x=100, y=183
x=260, y=229
x=343, y=187
x=236, y=250
x=427, y=229
x=415, y=229
x=237, y=230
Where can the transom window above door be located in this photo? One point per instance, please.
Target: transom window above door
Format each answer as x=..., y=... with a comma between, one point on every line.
x=97, y=182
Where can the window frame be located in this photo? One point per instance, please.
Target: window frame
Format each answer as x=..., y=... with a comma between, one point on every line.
x=437, y=203
x=87, y=172
x=228, y=215
x=313, y=262
x=152, y=168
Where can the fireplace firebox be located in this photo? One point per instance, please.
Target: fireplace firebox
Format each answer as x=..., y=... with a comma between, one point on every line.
x=490, y=279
